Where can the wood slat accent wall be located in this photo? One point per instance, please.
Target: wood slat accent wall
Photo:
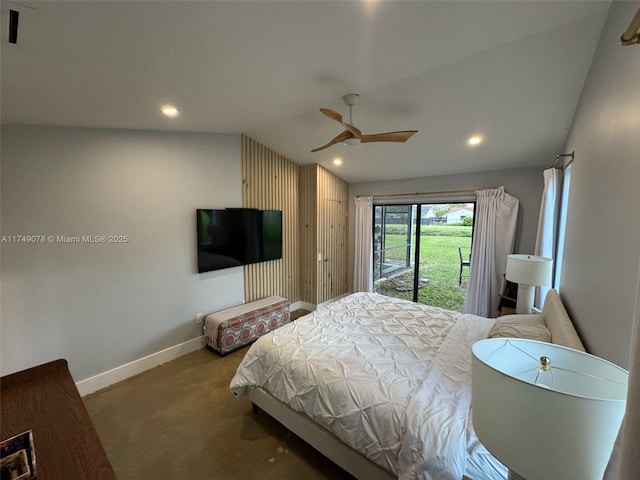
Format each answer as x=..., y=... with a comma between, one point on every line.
x=332, y=208
x=314, y=204
x=323, y=231
x=270, y=182
x=308, y=232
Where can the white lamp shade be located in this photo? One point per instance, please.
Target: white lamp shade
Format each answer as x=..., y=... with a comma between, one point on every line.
x=563, y=432
x=529, y=269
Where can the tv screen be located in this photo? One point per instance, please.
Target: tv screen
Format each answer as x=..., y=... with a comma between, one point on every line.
x=271, y=234
x=237, y=236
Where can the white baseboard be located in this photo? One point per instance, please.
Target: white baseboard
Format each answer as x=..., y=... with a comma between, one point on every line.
x=108, y=378
x=105, y=379
x=311, y=307
x=324, y=304
x=304, y=305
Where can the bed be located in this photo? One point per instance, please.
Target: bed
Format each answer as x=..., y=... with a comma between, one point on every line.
x=382, y=386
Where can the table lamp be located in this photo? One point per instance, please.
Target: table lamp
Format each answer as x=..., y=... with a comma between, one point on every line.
x=545, y=411
x=529, y=272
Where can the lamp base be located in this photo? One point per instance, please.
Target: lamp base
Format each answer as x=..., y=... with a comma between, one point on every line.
x=525, y=298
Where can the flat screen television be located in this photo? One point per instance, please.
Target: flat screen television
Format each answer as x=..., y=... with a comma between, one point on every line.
x=237, y=236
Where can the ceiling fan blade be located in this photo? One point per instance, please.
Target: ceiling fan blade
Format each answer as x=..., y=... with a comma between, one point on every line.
x=356, y=131
x=332, y=114
x=388, y=137
x=339, y=139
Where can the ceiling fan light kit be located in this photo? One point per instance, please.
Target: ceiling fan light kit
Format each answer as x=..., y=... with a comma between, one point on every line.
x=352, y=135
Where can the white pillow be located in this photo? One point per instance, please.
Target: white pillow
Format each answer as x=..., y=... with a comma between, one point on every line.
x=531, y=327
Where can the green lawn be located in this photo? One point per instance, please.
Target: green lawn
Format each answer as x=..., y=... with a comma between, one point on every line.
x=440, y=265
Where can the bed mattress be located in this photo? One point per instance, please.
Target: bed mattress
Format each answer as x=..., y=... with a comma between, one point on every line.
x=389, y=377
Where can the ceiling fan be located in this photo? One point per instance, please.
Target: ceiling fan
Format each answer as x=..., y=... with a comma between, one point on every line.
x=352, y=135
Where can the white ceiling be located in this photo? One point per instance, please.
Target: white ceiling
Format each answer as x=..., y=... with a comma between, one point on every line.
x=509, y=70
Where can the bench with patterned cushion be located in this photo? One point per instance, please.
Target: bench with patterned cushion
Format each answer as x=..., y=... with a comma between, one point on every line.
x=235, y=327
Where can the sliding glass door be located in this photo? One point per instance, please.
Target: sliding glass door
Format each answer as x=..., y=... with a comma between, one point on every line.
x=421, y=252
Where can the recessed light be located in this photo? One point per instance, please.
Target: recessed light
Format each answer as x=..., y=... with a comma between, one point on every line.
x=337, y=161
x=169, y=110
x=475, y=140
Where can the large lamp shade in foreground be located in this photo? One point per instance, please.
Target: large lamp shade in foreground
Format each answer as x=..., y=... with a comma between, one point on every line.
x=546, y=411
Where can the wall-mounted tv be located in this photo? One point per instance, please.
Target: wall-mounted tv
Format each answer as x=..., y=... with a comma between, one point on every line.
x=237, y=236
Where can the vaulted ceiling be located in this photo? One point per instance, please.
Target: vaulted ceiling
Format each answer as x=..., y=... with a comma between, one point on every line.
x=511, y=71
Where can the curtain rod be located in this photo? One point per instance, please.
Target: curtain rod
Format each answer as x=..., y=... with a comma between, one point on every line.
x=632, y=34
x=563, y=155
x=413, y=194
x=469, y=190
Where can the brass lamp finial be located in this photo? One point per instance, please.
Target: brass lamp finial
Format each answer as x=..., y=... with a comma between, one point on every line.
x=545, y=363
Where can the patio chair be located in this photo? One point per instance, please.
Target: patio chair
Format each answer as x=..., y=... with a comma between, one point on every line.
x=463, y=263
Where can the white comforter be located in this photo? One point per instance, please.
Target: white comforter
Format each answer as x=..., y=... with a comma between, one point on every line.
x=389, y=377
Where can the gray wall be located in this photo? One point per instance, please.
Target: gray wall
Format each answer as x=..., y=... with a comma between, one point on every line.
x=603, y=228
x=525, y=184
x=103, y=305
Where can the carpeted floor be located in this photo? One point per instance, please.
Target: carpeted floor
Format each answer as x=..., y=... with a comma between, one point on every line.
x=180, y=421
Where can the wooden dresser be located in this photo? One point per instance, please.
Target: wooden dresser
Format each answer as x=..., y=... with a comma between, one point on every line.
x=45, y=399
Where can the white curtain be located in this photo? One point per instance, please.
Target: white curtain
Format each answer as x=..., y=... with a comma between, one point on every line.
x=363, y=252
x=629, y=458
x=493, y=237
x=625, y=461
x=548, y=222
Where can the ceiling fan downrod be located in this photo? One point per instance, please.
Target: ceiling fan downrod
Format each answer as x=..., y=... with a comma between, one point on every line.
x=351, y=100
